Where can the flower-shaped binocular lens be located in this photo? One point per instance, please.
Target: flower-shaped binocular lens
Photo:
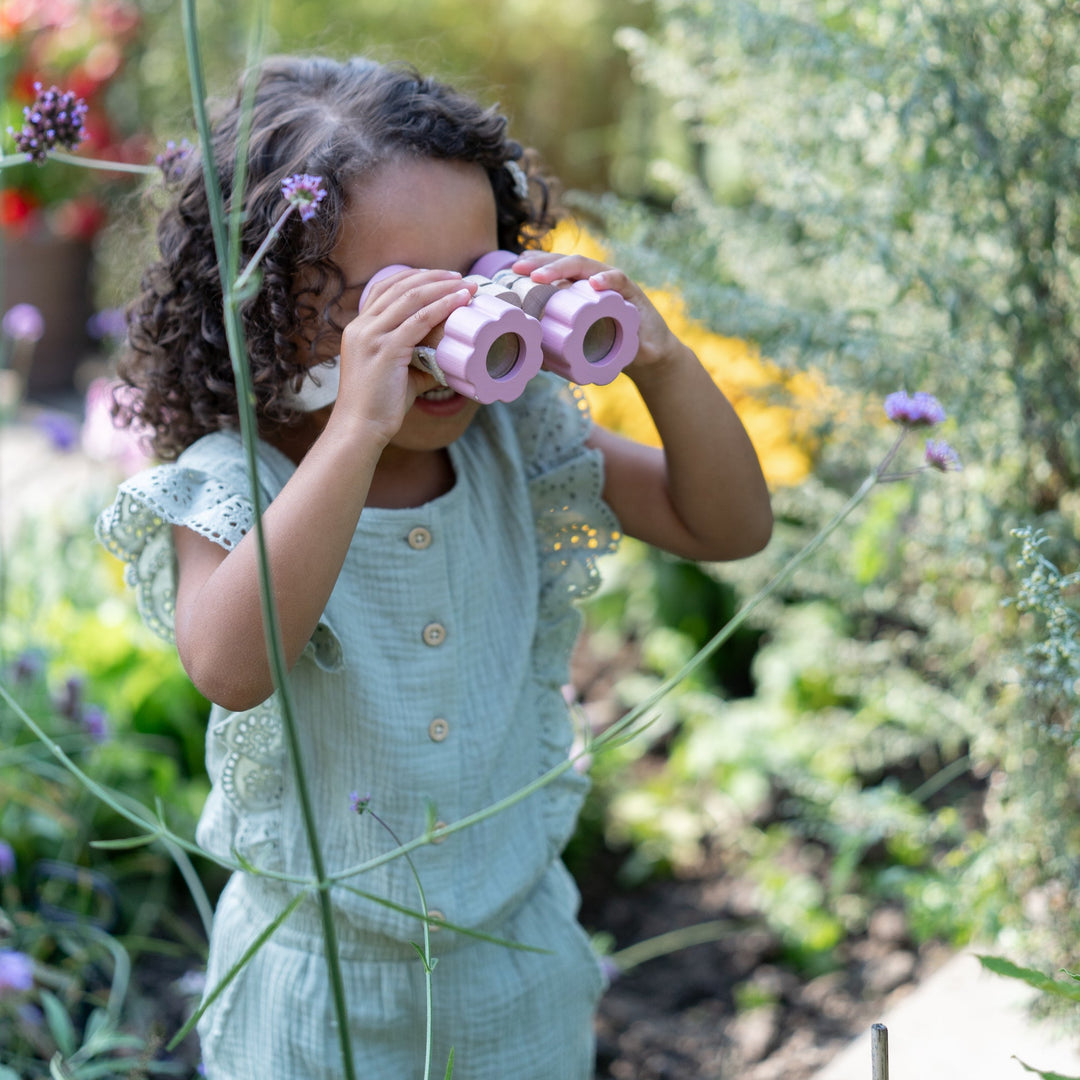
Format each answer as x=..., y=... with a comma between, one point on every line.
x=492, y=347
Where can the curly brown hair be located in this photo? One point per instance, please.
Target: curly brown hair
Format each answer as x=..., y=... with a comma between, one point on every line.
x=338, y=120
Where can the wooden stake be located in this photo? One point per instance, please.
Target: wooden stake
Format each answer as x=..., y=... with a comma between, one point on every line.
x=879, y=1051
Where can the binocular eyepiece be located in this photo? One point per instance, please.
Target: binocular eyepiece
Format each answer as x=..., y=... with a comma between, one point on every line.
x=512, y=327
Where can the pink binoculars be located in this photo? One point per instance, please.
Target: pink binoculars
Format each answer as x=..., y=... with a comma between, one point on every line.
x=512, y=327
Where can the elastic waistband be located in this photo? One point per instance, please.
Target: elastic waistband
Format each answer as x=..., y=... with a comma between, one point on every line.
x=261, y=902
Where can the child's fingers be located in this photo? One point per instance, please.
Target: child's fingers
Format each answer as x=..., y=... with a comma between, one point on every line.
x=407, y=307
x=546, y=267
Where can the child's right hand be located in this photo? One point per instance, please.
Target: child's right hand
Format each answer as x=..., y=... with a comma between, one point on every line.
x=378, y=383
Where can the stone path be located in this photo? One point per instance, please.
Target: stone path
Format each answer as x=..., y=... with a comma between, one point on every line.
x=964, y=1023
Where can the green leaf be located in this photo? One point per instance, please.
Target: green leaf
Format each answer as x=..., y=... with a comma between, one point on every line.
x=1037, y=979
x=57, y=1070
x=450, y=1065
x=423, y=958
x=1045, y=1075
x=235, y=970
x=124, y=844
x=63, y=1031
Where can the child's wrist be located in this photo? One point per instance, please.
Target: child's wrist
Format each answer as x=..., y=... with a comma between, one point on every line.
x=655, y=366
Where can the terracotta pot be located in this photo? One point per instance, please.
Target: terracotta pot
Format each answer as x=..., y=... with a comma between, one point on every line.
x=54, y=274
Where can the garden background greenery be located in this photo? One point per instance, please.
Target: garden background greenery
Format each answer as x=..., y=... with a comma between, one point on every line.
x=833, y=200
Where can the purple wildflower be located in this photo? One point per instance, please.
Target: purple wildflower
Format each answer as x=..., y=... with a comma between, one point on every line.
x=305, y=193
x=24, y=322
x=16, y=972
x=54, y=119
x=610, y=969
x=107, y=323
x=7, y=859
x=70, y=702
x=172, y=159
x=95, y=723
x=27, y=666
x=359, y=803
x=914, y=410
x=940, y=455
x=62, y=430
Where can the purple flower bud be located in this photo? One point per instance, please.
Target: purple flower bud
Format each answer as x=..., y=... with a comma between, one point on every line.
x=940, y=455
x=172, y=159
x=27, y=666
x=70, y=702
x=54, y=119
x=95, y=723
x=7, y=859
x=304, y=192
x=16, y=972
x=359, y=803
x=107, y=323
x=914, y=410
x=24, y=322
x=610, y=969
x=61, y=429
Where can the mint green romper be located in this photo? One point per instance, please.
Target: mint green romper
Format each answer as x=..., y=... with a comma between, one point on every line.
x=433, y=683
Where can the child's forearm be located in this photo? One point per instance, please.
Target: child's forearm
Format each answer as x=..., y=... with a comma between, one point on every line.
x=707, y=479
x=308, y=529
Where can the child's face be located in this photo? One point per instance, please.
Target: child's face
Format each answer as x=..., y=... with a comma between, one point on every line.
x=428, y=214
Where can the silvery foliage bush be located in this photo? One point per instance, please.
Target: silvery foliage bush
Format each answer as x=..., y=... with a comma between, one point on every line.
x=889, y=193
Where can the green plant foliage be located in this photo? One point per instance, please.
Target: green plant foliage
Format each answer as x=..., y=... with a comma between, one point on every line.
x=887, y=194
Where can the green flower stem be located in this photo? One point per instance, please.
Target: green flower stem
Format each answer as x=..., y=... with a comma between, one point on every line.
x=10, y=160
x=271, y=236
x=673, y=941
x=625, y=725
x=427, y=944
x=228, y=256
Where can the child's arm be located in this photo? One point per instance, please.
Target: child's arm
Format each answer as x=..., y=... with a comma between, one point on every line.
x=703, y=495
x=309, y=526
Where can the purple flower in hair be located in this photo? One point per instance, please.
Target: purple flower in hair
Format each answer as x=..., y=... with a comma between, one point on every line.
x=16, y=972
x=54, y=119
x=305, y=193
x=359, y=803
x=24, y=322
x=914, y=410
x=940, y=455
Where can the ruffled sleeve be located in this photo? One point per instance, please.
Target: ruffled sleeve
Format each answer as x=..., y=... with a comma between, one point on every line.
x=566, y=480
x=205, y=490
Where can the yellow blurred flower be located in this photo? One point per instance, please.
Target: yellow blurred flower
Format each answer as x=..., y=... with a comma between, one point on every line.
x=781, y=433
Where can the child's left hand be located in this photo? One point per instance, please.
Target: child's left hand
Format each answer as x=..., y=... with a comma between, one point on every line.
x=657, y=345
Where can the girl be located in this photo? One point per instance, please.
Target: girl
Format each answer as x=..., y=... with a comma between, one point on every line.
x=425, y=553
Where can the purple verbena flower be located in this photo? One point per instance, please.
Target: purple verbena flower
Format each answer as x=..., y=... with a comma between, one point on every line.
x=914, y=410
x=172, y=159
x=27, y=666
x=940, y=455
x=305, y=193
x=24, y=322
x=359, y=803
x=54, y=119
x=611, y=970
x=70, y=703
x=7, y=859
x=107, y=323
x=95, y=723
x=16, y=972
x=62, y=430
